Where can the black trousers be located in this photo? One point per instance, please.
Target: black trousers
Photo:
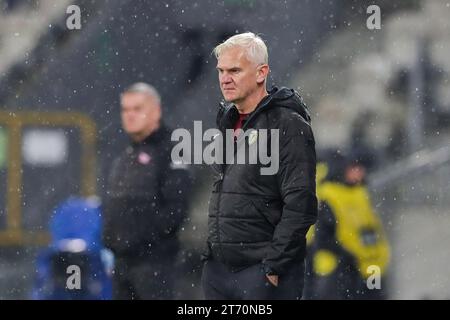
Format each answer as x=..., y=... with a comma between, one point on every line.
x=219, y=283
x=144, y=278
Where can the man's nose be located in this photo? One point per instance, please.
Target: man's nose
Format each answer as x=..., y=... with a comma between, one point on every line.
x=225, y=78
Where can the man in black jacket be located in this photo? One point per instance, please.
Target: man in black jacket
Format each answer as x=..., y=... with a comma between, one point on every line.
x=146, y=201
x=258, y=222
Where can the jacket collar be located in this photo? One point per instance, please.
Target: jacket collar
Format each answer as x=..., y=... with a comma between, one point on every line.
x=228, y=114
x=154, y=137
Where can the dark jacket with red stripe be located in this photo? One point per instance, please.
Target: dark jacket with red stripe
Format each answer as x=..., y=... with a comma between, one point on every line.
x=147, y=199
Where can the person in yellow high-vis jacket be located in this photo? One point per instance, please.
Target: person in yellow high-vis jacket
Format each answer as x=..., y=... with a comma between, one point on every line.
x=348, y=241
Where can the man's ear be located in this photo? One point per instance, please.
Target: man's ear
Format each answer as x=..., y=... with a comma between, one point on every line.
x=261, y=73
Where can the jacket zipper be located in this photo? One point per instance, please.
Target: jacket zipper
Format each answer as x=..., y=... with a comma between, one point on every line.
x=221, y=175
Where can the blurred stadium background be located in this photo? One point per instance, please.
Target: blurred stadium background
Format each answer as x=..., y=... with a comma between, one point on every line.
x=387, y=90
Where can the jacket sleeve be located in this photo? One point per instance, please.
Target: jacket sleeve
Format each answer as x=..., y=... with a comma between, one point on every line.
x=296, y=183
x=109, y=223
x=175, y=185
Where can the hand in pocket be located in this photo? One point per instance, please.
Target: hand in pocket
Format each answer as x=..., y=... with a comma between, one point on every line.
x=273, y=279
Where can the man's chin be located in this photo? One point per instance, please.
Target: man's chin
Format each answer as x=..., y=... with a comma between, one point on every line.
x=230, y=98
x=132, y=131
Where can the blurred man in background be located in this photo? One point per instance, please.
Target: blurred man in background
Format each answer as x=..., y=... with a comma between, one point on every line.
x=146, y=201
x=348, y=237
x=258, y=223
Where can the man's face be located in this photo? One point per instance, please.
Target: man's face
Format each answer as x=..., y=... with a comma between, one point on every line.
x=355, y=174
x=238, y=77
x=139, y=113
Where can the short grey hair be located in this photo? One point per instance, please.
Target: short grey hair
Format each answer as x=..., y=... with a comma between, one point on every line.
x=254, y=46
x=145, y=88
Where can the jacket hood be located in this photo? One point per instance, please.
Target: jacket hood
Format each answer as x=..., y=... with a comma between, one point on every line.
x=284, y=98
x=278, y=98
